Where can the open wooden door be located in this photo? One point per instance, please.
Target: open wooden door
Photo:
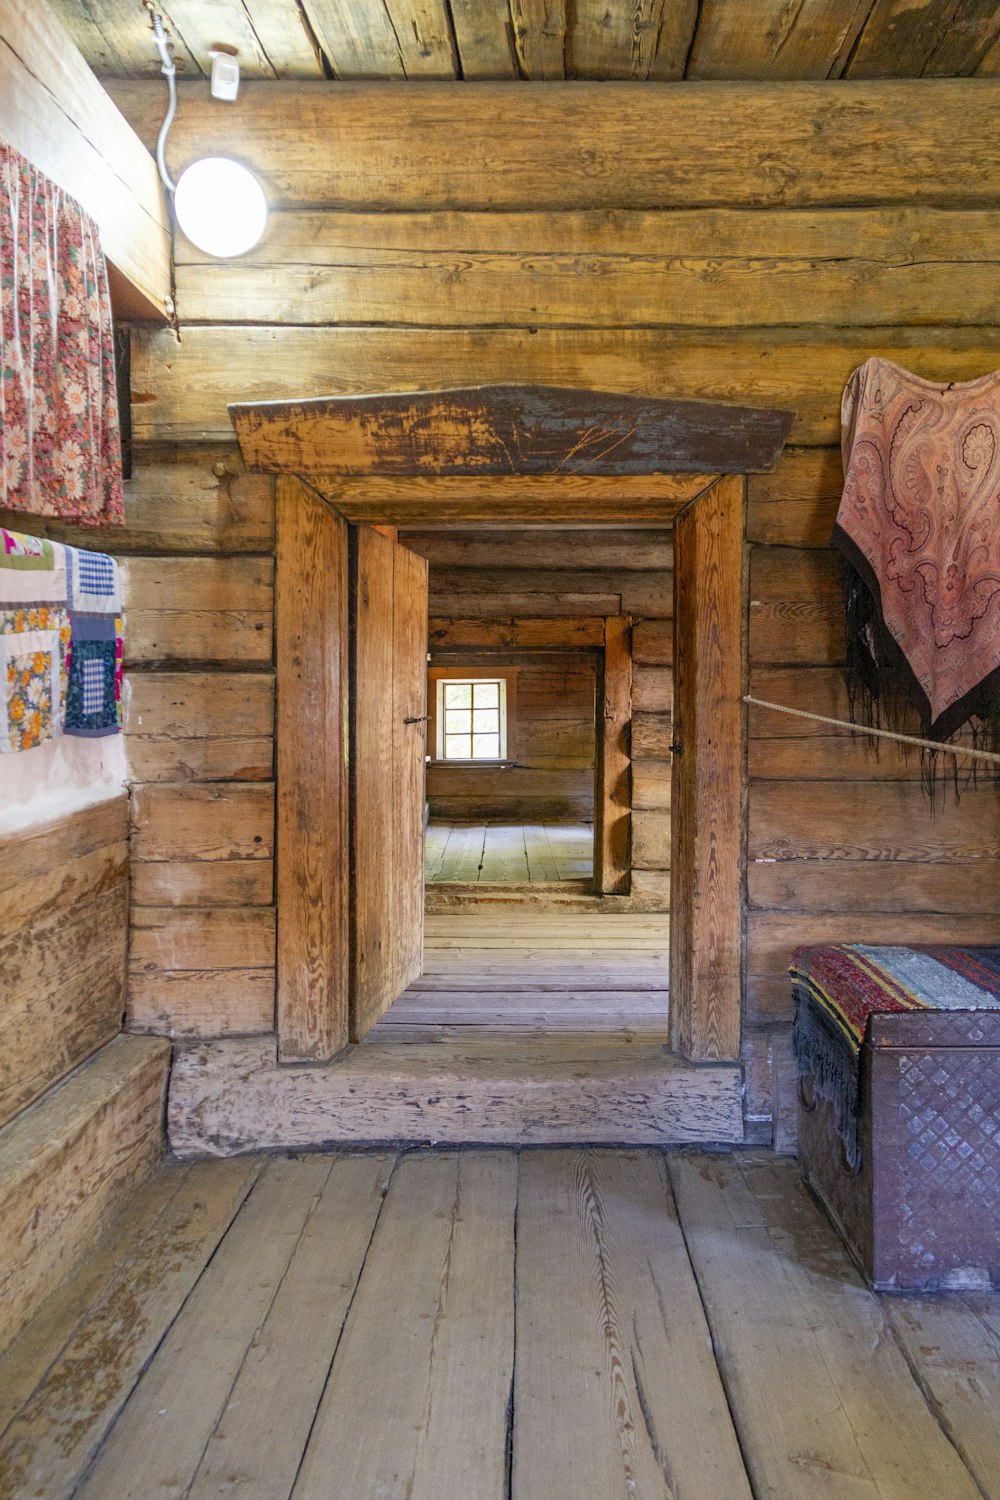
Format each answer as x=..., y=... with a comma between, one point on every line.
x=388, y=746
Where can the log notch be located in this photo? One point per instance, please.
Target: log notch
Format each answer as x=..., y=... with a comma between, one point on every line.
x=54, y=111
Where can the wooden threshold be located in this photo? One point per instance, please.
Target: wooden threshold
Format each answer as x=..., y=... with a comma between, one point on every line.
x=561, y=895
x=228, y=1097
x=454, y=895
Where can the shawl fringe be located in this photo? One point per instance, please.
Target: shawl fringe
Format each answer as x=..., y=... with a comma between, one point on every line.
x=883, y=691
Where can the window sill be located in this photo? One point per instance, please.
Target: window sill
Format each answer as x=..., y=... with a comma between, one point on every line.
x=474, y=765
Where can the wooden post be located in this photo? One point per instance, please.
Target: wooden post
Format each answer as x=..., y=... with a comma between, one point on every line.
x=311, y=606
x=612, y=789
x=707, y=832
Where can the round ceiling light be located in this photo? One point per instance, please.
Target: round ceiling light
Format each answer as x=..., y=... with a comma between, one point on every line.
x=220, y=206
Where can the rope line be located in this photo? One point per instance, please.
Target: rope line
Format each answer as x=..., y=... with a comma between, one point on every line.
x=882, y=734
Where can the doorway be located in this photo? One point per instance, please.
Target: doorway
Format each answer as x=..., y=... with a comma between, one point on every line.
x=707, y=761
x=510, y=768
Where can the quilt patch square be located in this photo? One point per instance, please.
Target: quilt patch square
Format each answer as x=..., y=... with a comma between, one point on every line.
x=93, y=701
x=32, y=571
x=93, y=687
x=94, y=582
x=22, y=552
x=33, y=677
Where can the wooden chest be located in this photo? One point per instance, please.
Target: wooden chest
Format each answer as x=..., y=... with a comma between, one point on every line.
x=922, y=1210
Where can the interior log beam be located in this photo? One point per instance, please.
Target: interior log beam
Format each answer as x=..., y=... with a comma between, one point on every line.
x=181, y=391
x=593, y=145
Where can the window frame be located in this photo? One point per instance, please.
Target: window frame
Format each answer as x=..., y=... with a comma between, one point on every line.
x=440, y=755
x=475, y=672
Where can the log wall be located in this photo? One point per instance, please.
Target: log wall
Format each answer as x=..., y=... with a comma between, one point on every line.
x=198, y=576
x=744, y=242
x=63, y=929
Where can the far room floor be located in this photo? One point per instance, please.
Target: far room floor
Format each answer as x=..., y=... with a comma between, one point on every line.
x=504, y=851
x=501, y=972
x=494, y=1325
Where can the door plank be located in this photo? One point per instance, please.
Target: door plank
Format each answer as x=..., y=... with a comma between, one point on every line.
x=416, y=1404
x=389, y=676
x=616, y=1389
x=312, y=829
x=373, y=850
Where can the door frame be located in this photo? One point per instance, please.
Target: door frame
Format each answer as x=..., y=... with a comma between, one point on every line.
x=607, y=639
x=565, y=435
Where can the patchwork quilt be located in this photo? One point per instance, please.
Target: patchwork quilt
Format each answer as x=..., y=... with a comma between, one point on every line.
x=60, y=642
x=837, y=988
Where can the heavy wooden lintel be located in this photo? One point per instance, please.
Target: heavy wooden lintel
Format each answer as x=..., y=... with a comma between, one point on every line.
x=517, y=635
x=508, y=429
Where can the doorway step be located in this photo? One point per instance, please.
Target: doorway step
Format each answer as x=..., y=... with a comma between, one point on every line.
x=524, y=1028
x=232, y=1096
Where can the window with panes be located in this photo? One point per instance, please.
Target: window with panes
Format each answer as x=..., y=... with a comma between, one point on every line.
x=472, y=718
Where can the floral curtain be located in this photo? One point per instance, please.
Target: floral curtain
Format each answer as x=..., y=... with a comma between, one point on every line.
x=60, y=451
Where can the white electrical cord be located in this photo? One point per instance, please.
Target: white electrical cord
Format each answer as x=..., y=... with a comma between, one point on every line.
x=169, y=71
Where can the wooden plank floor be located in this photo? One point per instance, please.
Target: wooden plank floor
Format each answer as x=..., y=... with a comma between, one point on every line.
x=499, y=853
x=496, y=973
x=542, y=1325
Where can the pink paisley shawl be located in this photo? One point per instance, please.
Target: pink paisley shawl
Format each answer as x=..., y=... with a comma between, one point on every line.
x=60, y=451
x=920, y=522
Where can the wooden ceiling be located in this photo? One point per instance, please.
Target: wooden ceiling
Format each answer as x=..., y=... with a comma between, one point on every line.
x=545, y=39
